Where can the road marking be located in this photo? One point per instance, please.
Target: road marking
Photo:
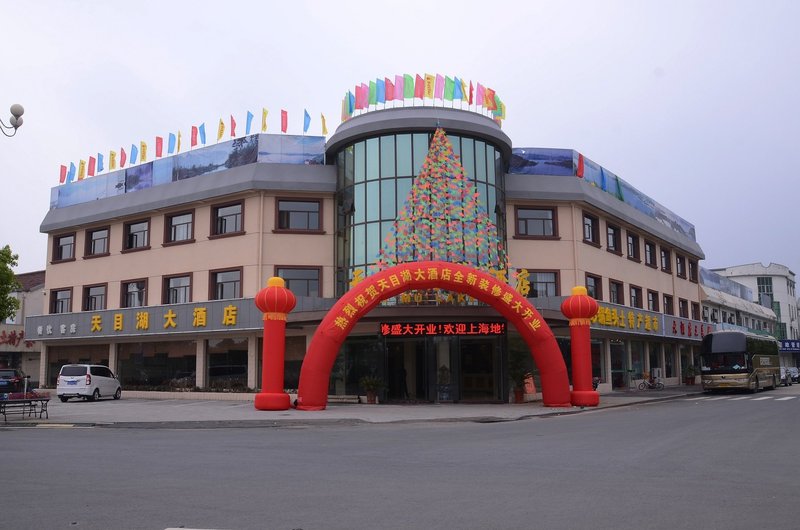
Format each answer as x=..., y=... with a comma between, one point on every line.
x=740, y=397
x=762, y=398
x=718, y=398
x=785, y=398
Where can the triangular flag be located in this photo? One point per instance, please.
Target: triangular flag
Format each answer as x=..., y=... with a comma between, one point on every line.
x=306, y=121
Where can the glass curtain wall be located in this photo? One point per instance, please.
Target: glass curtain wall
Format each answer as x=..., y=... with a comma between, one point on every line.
x=374, y=179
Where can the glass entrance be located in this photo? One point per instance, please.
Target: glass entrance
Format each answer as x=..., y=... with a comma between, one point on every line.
x=406, y=374
x=619, y=365
x=480, y=362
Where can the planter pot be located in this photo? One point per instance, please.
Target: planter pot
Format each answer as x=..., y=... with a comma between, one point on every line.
x=372, y=397
x=519, y=395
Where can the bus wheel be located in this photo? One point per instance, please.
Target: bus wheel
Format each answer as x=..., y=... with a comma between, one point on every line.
x=755, y=386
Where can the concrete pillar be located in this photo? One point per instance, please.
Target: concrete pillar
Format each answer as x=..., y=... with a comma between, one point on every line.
x=201, y=364
x=252, y=361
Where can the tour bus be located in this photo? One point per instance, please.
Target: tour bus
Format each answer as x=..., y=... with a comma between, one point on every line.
x=739, y=360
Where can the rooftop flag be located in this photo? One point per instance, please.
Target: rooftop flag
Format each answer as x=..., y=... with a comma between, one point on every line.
x=306, y=121
x=143, y=147
x=248, y=123
x=324, y=126
x=71, y=174
x=438, y=91
x=479, y=95
x=100, y=162
x=194, y=136
x=179, y=142
x=233, y=127
x=380, y=91
x=373, y=95
x=408, y=86
x=419, y=87
x=112, y=160
x=220, y=130
x=159, y=146
x=488, y=99
x=123, y=157
x=134, y=153
x=449, y=89
x=92, y=162
x=470, y=92
x=263, y=120
x=430, y=85
x=170, y=144
x=62, y=178
x=399, y=87
x=81, y=169
x=458, y=92
x=351, y=103
x=389, y=89
x=202, y=131
x=284, y=120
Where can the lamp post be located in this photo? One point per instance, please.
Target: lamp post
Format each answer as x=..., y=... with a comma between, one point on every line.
x=15, y=122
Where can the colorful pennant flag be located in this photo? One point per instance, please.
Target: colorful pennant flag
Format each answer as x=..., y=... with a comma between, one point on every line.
x=81, y=169
x=488, y=99
x=449, y=89
x=159, y=146
x=179, y=142
x=470, y=92
x=122, y=157
x=233, y=127
x=263, y=120
x=438, y=91
x=380, y=91
x=71, y=174
x=170, y=144
x=351, y=103
x=419, y=87
x=194, y=136
x=62, y=178
x=373, y=93
x=399, y=87
x=202, y=132
x=479, y=95
x=248, y=123
x=389, y=89
x=134, y=154
x=306, y=121
x=112, y=160
x=143, y=148
x=324, y=126
x=220, y=130
x=92, y=162
x=284, y=120
x=408, y=86
x=430, y=85
x=99, y=162
x=458, y=91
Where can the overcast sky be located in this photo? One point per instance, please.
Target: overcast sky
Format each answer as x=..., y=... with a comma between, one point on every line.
x=695, y=103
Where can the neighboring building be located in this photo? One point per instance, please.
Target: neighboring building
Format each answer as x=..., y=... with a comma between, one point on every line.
x=774, y=285
x=153, y=269
x=729, y=305
x=17, y=351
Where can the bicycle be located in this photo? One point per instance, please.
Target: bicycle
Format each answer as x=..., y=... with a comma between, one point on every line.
x=650, y=384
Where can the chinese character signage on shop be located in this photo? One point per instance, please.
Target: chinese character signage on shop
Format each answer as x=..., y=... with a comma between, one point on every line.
x=399, y=329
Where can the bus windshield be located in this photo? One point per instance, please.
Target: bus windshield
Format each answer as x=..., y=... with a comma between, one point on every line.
x=723, y=363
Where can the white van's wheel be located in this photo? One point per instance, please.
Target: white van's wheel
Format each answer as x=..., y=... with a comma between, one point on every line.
x=118, y=393
x=63, y=399
x=95, y=395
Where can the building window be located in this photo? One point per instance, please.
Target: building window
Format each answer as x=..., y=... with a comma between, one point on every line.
x=680, y=266
x=302, y=281
x=666, y=260
x=683, y=308
x=94, y=297
x=64, y=247
x=615, y=293
x=668, y=309
x=614, y=239
x=61, y=301
x=227, y=219
x=636, y=296
x=177, y=289
x=134, y=293
x=536, y=222
x=652, y=300
x=693, y=270
x=299, y=215
x=695, y=311
x=179, y=228
x=633, y=247
x=97, y=242
x=594, y=286
x=543, y=284
x=591, y=229
x=650, y=254
x=226, y=284
x=136, y=235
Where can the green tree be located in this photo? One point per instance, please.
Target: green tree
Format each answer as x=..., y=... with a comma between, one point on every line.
x=9, y=305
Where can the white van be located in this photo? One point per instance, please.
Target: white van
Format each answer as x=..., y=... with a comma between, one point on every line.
x=87, y=381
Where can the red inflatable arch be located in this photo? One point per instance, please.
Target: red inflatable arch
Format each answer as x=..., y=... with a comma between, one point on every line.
x=358, y=301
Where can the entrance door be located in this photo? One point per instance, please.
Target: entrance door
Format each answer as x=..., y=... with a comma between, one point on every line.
x=407, y=376
x=479, y=366
x=619, y=365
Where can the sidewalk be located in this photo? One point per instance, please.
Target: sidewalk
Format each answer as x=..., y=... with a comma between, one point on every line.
x=237, y=410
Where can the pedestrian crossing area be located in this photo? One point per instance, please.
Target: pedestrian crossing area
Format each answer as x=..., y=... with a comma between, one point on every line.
x=753, y=397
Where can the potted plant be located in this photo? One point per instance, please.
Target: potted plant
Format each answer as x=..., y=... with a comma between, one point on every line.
x=371, y=385
x=689, y=373
x=517, y=373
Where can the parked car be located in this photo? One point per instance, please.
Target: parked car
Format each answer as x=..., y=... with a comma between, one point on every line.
x=12, y=380
x=794, y=372
x=87, y=381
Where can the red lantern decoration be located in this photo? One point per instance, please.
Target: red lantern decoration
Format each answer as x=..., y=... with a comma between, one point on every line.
x=275, y=301
x=579, y=309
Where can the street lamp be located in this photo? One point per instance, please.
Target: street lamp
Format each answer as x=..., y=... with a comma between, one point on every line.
x=15, y=121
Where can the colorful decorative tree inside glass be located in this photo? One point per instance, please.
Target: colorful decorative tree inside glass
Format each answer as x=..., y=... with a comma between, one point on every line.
x=442, y=218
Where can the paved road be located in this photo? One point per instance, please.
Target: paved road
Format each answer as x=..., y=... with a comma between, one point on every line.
x=692, y=462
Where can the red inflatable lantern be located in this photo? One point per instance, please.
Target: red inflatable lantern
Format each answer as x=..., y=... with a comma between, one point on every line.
x=579, y=309
x=275, y=301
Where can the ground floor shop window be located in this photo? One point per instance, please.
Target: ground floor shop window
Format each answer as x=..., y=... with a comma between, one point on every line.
x=637, y=358
x=58, y=356
x=156, y=365
x=655, y=367
x=669, y=361
x=227, y=364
